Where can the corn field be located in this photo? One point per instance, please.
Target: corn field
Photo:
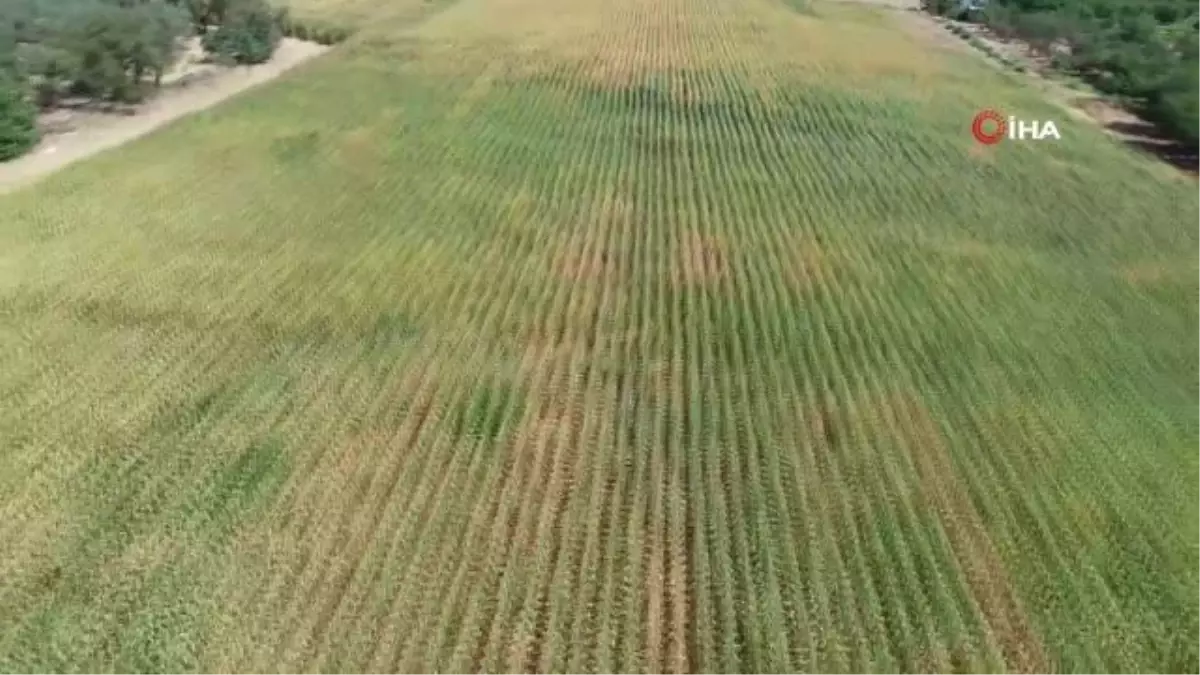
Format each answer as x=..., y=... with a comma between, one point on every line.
x=604, y=335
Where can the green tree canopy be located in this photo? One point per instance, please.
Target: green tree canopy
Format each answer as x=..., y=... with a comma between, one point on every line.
x=1142, y=51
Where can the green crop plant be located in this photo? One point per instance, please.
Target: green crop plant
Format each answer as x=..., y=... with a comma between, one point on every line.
x=674, y=336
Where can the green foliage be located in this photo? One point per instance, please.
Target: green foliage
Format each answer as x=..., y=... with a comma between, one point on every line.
x=47, y=67
x=116, y=46
x=102, y=48
x=8, y=46
x=114, y=49
x=1145, y=54
x=298, y=30
x=334, y=35
x=939, y=7
x=18, y=120
x=482, y=415
x=1175, y=107
x=249, y=34
x=204, y=13
x=315, y=31
x=235, y=488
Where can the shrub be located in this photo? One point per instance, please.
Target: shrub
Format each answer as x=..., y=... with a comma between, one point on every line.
x=329, y=36
x=47, y=68
x=249, y=34
x=1176, y=109
x=318, y=32
x=283, y=21
x=18, y=120
x=939, y=7
x=106, y=49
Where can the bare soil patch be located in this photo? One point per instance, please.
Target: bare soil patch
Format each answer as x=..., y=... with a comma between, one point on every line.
x=667, y=606
x=984, y=154
x=79, y=130
x=700, y=260
x=588, y=254
x=580, y=263
x=546, y=437
x=933, y=30
x=1007, y=47
x=1155, y=272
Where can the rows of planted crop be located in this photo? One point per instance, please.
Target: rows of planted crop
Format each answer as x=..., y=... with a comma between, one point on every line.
x=650, y=346
x=461, y=486
x=736, y=590
x=420, y=508
x=841, y=388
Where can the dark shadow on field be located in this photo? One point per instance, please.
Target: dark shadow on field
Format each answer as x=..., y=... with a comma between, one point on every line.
x=682, y=98
x=1144, y=137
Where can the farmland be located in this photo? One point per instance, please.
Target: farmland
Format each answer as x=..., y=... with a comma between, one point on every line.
x=687, y=335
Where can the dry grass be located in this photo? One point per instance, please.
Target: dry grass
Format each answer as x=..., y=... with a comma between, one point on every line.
x=1161, y=272
x=701, y=260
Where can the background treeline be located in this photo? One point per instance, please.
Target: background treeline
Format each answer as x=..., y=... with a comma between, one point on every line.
x=119, y=50
x=1143, y=51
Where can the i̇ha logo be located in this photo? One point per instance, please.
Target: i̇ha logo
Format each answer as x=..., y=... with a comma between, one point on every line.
x=990, y=127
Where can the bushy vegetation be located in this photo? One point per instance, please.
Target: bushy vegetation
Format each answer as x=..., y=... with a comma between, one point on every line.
x=1143, y=52
x=314, y=31
x=248, y=34
x=18, y=130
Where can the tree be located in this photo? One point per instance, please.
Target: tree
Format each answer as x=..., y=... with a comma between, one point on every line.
x=1143, y=52
x=101, y=48
x=8, y=48
x=18, y=119
x=48, y=68
x=203, y=13
x=98, y=34
x=1040, y=29
x=1177, y=107
x=156, y=43
x=249, y=34
x=116, y=46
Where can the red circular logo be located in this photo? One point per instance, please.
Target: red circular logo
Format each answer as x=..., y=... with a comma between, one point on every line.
x=989, y=119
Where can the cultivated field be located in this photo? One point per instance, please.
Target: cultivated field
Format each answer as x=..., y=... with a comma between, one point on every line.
x=571, y=335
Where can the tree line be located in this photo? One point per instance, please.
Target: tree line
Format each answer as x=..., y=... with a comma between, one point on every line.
x=113, y=50
x=1143, y=51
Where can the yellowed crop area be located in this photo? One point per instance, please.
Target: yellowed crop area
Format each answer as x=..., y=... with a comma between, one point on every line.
x=603, y=335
